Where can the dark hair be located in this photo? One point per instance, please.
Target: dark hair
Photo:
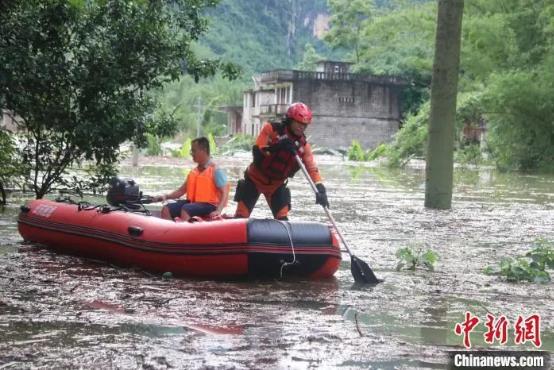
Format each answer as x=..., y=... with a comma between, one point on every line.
x=202, y=143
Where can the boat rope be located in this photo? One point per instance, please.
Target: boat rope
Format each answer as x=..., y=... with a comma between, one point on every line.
x=105, y=208
x=294, y=261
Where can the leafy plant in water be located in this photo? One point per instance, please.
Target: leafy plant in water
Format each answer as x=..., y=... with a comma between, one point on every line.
x=411, y=258
x=380, y=151
x=532, y=267
x=356, y=152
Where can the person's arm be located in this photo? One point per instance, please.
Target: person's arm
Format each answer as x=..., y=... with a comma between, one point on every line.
x=224, y=197
x=173, y=195
x=262, y=141
x=313, y=172
x=309, y=162
x=220, y=179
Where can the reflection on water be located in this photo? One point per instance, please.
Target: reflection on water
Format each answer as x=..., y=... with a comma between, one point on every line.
x=60, y=311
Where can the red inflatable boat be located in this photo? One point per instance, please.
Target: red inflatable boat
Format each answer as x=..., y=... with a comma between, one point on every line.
x=217, y=249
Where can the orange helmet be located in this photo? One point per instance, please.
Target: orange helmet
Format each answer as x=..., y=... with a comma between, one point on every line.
x=300, y=112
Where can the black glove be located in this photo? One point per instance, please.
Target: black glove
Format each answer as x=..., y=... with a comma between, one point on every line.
x=321, y=196
x=288, y=145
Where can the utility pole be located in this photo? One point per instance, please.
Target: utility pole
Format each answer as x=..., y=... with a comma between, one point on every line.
x=444, y=90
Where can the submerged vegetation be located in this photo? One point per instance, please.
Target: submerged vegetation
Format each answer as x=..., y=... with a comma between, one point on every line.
x=411, y=258
x=533, y=267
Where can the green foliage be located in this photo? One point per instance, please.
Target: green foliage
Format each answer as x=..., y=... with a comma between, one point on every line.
x=153, y=148
x=78, y=74
x=521, y=131
x=309, y=59
x=411, y=140
x=379, y=151
x=356, y=152
x=400, y=41
x=348, y=20
x=410, y=258
x=239, y=142
x=263, y=35
x=213, y=145
x=468, y=154
x=192, y=104
x=532, y=267
x=507, y=65
x=185, y=149
x=509, y=53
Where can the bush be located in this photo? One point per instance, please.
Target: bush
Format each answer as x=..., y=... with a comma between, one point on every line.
x=468, y=154
x=411, y=140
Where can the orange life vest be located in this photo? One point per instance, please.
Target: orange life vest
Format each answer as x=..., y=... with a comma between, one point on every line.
x=201, y=186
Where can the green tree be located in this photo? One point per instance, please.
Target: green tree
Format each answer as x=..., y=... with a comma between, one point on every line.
x=439, y=166
x=182, y=97
x=507, y=61
x=348, y=19
x=509, y=55
x=400, y=42
x=77, y=73
x=310, y=58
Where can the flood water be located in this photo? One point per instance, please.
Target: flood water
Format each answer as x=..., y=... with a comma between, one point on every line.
x=65, y=312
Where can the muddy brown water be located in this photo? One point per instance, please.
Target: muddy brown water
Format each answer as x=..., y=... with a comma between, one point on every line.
x=60, y=311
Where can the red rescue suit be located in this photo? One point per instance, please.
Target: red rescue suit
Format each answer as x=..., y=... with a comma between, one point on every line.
x=270, y=170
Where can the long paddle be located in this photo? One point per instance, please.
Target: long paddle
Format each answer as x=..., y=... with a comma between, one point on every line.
x=361, y=271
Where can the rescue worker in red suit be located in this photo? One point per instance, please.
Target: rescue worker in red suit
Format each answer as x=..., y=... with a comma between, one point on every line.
x=274, y=162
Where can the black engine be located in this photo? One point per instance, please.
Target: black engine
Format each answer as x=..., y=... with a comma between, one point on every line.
x=123, y=193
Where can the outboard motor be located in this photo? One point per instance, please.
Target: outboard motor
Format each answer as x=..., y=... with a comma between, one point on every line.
x=123, y=193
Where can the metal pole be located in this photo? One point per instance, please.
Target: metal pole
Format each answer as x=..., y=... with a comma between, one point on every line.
x=331, y=218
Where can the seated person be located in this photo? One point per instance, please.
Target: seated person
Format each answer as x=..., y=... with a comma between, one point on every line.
x=205, y=186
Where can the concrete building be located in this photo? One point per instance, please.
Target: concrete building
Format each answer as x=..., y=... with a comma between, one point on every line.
x=346, y=105
x=7, y=121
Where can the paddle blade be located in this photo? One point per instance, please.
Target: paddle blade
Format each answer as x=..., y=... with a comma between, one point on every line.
x=362, y=272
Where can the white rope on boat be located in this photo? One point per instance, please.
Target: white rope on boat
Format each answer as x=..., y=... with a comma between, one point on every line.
x=285, y=263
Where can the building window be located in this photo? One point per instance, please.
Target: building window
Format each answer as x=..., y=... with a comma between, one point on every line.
x=346, y=100
x=283, y=95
